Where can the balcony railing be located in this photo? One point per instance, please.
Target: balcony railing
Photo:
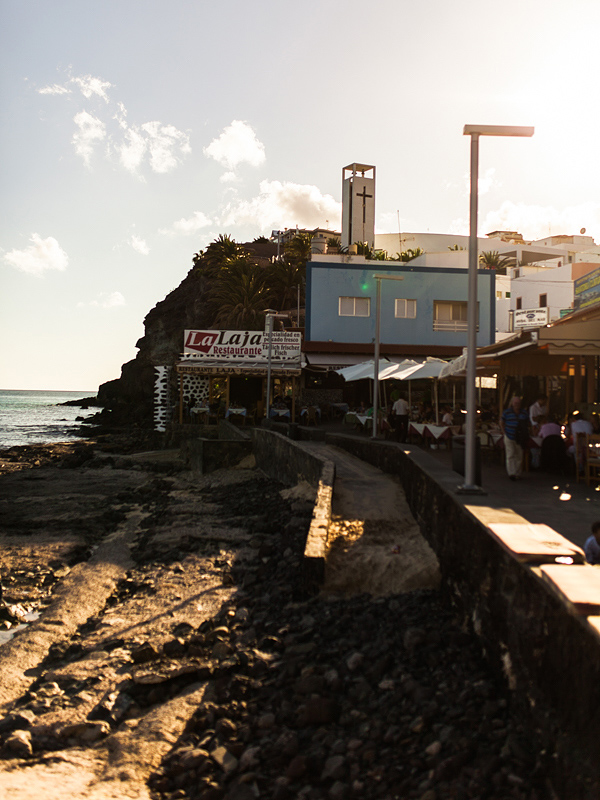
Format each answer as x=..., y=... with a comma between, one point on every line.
x=453, y=325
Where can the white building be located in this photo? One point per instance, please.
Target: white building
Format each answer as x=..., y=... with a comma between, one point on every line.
x=543, y=277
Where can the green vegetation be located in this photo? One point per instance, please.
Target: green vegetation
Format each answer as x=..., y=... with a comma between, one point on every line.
x=237, y=286
x=491, y=259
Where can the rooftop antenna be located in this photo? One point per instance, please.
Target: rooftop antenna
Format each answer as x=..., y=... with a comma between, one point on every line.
x=399, y=230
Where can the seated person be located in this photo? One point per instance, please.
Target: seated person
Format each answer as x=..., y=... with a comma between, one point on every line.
x=592, y=545
x=538, y=409
x=447, y=418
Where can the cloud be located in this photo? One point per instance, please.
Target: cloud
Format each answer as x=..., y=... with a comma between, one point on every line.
x=161, y=144
x=39, y=257
x=187, y=227
x=87, y=84
x=90, y=86
x=90, y=130
x=538, y=222
x=237, y=145
x=139, y=245
x=535, y=222
x=54, y=89
x=284, y=205
x=485, y=182
x=105, y=300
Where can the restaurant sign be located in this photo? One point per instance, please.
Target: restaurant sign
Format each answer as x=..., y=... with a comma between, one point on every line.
x=242, y=346
x=531, y=317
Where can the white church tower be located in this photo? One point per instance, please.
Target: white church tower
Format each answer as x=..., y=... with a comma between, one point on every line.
x=358, y=204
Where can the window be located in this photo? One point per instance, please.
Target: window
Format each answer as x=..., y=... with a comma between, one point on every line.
x=355, y=307
x=507, y=294
x=519, y=303
x=543, y=301
x=406, y=309
x=450, y=315
x=499, y=295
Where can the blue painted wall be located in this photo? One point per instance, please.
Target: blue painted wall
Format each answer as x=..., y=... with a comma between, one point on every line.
x=326, y=282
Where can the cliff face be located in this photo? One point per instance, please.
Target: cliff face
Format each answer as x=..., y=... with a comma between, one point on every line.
x=129, y=399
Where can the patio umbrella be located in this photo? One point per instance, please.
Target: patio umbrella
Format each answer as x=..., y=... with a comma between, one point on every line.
x=430, y=368
x=358, y=372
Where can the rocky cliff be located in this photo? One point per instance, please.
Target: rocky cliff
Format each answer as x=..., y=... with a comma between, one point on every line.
x=128, y=400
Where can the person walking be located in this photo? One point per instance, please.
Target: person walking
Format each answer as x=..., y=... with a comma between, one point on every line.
x=400, y=412
x=514, y=424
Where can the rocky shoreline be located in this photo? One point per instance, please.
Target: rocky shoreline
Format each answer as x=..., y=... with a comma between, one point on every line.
x=178, y=655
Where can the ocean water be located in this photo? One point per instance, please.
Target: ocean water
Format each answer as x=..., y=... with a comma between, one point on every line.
x=35, y=417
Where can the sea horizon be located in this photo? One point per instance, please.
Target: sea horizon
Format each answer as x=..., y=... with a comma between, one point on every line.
x=39, y=416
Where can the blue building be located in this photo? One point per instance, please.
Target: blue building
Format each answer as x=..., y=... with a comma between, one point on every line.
x=424, y=314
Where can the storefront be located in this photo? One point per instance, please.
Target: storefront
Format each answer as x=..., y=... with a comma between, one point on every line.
x=226, y=373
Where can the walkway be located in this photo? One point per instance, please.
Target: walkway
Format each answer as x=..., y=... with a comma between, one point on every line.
x=560, y=502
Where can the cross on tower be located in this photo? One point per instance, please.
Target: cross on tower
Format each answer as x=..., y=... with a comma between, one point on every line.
x=364, y=196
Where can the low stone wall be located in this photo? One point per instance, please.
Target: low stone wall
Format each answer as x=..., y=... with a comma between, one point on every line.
x=207, y=455
x=541, y=642
x=287, y=461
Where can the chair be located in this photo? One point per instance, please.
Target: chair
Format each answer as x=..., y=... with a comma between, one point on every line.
x=592, y=458
x=553, y=457
x=580, y=456
x=311, y=416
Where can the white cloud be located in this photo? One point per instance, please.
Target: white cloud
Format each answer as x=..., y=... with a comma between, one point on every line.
x=91, y=130
x=133, y=150
x=90, y=86
x=187, y=227
x=105, y=300
x=54, y=89
x=162, y=144
x=237, y=145
x=485, y=182
x=39, y=257
x=535, y=222
x=538, y=222
x=284, y=205
x=139, y=245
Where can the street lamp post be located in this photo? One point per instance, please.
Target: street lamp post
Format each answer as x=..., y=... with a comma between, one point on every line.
x=269, y=318
x=378, y=279
x=475, y=131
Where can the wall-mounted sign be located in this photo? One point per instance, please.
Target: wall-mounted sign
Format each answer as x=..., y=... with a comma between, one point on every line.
x=531, y=317
x=587, y=290
x=246, y=346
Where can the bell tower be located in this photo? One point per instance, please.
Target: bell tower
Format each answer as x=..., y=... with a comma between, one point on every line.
x=358, y=204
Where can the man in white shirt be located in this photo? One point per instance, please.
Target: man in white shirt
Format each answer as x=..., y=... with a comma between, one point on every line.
x=400, y=411
x=538, y=409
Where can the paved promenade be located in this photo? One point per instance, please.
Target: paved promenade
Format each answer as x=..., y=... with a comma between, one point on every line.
x=560, y=502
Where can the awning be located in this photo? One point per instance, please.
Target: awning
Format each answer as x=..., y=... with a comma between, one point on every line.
x=245, y=369
x=572, y=337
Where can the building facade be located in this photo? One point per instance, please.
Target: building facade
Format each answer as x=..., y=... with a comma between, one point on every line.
x=427, y=308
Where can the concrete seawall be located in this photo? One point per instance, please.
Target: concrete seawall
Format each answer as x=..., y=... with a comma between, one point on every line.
x=538, y=619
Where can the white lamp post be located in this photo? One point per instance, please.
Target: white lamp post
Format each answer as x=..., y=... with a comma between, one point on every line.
x=378, y=279
x=475, y=131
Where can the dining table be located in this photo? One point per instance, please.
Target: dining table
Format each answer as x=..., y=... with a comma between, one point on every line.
x=279, y=412
x=237, y=411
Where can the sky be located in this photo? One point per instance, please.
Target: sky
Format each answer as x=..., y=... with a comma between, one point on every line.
x=134, y=132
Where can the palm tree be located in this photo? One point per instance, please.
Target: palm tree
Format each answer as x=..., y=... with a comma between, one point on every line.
x=408, y=255
x=297, y=250
x=456, y=247
x=241, y=294
x=491, y=259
